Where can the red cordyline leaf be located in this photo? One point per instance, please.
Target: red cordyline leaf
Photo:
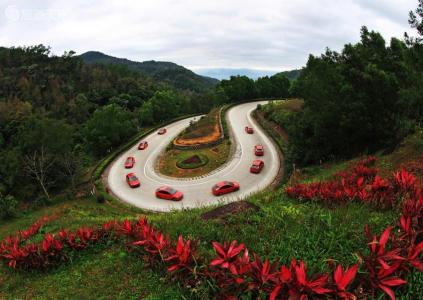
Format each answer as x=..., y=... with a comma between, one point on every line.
x=285, y=274
x=126, y=227
x=240, y=266
x=182, y=255
x=226, y=253
x=404, y=179
x=390, y=282
x=343, y=279
x=262, y=273
x=413, y=256
x=300, y=274
x=384, y=239
x=405, y=222
x=317, y=285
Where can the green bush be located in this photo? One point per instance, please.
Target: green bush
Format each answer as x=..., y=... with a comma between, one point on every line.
x=192, y=165
x=7, y=206
x=100, y=198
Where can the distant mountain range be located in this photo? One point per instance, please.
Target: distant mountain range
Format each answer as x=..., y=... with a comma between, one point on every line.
x=168, y=72
x=179, y=76
x=226, y=73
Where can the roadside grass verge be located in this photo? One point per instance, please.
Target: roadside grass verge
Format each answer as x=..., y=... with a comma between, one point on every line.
x=217, y=156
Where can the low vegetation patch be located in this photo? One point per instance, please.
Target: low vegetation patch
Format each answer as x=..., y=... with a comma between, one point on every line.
x=205, y=130
x=191, y=163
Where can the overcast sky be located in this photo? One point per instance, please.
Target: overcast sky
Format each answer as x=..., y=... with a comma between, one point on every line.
x=264, y=34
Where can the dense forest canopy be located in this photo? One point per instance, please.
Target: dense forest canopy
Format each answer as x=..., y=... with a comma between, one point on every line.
x=361, y=100
x=59, y=114
x=168, y=72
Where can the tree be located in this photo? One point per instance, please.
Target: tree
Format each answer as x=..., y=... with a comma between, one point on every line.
x=7, y=206
x=239, y=88
x=72, y=166
x=411, y=95
x=38, y=165
x=145, y=114
x=54, y=136
x=351, y=101
x=108, y=127
x=168, y=104
x=416, y=21
x=280, y=86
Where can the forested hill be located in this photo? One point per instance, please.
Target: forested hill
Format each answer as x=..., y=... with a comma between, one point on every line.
x=168, y=72
x=292, y=74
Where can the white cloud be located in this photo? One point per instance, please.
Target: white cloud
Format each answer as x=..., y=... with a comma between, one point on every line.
x=254, y=34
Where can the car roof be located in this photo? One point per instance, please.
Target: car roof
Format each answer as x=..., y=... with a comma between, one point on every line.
x=167, y=189
x=222, y=183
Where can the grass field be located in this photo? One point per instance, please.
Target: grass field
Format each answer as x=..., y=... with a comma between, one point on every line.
x=217, y=156
x=282, y=228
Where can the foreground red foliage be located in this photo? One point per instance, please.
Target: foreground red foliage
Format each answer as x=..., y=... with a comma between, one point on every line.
x=234, y=272
x=361, y=182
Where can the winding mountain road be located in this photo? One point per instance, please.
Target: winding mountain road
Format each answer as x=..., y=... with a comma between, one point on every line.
x=197, y=191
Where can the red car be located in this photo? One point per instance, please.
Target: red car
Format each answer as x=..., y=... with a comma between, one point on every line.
x=129, y=162
x=142, y=145
x=132, y=180
x=225, y=187
x=249, y=130
x=257, y=166
x=168, y=193
x=259, y=150
x=162, y=131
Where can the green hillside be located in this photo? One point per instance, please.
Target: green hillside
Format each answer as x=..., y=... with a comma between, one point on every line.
x=168, y=72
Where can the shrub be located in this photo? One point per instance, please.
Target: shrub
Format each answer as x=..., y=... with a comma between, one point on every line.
x=193, y=161
x=100, y=198
x=362, y=183
x=7, y=206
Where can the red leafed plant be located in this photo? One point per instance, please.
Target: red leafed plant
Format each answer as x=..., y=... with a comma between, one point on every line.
x=343, y=278
x=227, y=254
x=383, y=267
x=181, y=257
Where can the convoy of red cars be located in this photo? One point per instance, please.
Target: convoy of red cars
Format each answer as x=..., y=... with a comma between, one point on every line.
x=169, y=193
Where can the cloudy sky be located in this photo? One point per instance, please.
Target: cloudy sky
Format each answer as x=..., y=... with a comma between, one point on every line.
x=264, y=34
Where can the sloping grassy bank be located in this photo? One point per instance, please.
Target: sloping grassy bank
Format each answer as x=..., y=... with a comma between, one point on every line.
x=282, y=228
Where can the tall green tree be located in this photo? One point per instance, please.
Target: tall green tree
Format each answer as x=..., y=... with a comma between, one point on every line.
x=109, y=126
x=351, y=100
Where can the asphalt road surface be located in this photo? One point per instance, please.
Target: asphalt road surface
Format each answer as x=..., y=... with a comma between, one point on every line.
x=197, y=191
